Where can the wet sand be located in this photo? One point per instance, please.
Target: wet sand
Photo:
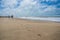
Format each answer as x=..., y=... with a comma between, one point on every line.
x=19, y=29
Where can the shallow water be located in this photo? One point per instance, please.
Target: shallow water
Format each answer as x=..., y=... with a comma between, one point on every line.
x=56, y=19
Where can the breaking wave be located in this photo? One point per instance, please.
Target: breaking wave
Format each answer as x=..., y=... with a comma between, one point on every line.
x=56, y=19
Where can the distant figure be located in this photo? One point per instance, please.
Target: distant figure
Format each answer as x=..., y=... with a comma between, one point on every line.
x=12, y=16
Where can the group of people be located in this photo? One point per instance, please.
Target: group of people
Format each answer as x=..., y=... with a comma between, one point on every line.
x=6, y=16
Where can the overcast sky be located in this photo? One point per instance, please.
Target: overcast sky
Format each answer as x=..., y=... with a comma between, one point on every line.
x=20, y=8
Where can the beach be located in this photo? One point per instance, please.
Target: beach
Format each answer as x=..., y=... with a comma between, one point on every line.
x=20, y=29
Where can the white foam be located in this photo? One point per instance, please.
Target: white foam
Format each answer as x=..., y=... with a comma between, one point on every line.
x=57, y=19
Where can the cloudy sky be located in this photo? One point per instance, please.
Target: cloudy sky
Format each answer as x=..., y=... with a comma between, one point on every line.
x=24, y=8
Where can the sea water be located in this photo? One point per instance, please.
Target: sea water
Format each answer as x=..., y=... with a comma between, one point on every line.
x=56, y=19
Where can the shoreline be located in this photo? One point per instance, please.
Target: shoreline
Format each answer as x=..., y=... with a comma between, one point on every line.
x=49, y=19
x=34, y=20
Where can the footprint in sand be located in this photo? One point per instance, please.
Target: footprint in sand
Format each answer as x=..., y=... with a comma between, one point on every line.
x=39, y=35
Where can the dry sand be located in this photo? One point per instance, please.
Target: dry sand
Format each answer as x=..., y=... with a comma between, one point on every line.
x=19, y=29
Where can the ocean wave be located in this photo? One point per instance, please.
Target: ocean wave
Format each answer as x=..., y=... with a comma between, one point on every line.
x=57, y=19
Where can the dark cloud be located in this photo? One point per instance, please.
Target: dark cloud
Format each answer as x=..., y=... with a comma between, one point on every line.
x=50, y=2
